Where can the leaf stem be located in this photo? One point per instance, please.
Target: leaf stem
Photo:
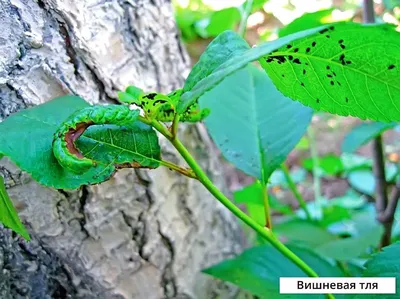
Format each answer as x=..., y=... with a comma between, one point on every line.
x=295, y=191
x=266, y=233
x=174, y=128
x=202, y=177
x=267, y=209
x=245, y=16
x=186, y=172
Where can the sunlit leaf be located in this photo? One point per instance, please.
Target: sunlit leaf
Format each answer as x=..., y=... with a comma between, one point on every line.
x=345, y=69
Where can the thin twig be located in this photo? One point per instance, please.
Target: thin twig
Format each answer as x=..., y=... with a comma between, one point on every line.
x=296, y=193
x=390, y=210
x=387, y=217
x=174, y=127
x=245, y=16
x=368, y=11
x=381, y=199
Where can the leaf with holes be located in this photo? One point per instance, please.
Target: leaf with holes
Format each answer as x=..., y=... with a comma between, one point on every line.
x=8, y=214
x=362, y=134
x=26, y=138
x=345, y=69
x=253, y=124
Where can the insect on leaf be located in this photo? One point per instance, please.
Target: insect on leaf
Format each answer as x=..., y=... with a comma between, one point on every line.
x=225, y=55
x=345, y=69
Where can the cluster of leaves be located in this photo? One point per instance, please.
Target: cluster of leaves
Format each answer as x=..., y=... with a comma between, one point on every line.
x=255, y=124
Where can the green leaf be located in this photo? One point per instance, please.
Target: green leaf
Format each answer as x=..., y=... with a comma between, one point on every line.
x=256, y=212
x=364, y=133
x=329, y=164
x=253, y=125
x=390, y=4
x=354, y=161
x=225, y=55
x=350, y=248
x=26, y=137
x=349, y=201
x=258, y=270
x=384, y=264
x=278, y=178
x=362, y=180
x=118, y=145
x=252, y=194
x=302, y=232
x=307, y=21
x=8, y=214
x=218, y=22
x=334, y=213
x=342, y=70
x=227, y=45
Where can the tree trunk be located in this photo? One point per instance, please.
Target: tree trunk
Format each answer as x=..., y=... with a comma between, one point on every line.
x=143, y=234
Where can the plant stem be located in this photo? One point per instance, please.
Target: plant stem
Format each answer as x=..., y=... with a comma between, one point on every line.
x=245, y=16
x=266, y=233
x=315, y=170
x=174, y=128
x=296, y=193
x=202, y=177
x=186, y=172
x=267, y=209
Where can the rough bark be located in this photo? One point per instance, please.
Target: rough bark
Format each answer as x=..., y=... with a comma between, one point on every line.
x=142, y=234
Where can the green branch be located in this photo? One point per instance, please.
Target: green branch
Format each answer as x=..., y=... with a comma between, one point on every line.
x=203, y=178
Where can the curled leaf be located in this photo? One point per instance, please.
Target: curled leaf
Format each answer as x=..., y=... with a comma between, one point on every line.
x=74, y=126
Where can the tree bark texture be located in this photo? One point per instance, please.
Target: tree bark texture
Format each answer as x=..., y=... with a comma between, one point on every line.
x=143, y=234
